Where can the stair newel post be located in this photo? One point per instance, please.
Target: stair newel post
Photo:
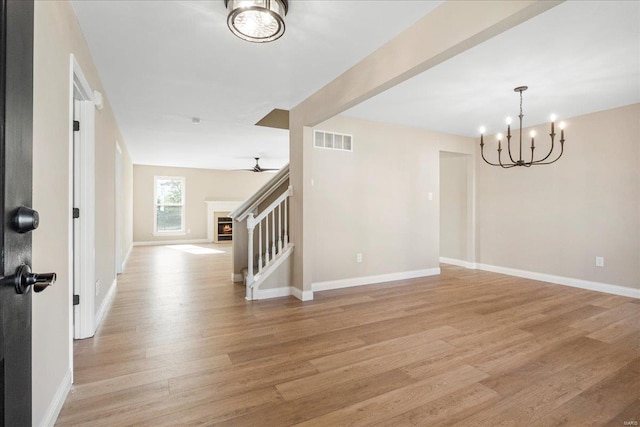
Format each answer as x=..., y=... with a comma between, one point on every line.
x=280, y=227
x=251, y=224
x=260, y=247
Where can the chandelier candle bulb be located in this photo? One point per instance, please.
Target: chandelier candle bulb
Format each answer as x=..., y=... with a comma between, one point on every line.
x=533, y=134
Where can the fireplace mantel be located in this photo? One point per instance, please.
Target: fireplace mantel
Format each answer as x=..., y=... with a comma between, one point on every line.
x=218, y=206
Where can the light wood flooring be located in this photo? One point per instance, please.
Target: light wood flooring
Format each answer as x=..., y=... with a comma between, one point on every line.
x=180, y=346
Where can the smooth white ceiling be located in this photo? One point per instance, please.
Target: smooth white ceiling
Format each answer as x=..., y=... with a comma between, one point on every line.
x=164, y=62
x=576, y=58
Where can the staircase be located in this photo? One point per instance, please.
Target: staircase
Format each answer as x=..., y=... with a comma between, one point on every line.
x=261, y=244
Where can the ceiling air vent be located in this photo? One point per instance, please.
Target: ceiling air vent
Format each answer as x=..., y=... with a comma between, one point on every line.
x=332, y=141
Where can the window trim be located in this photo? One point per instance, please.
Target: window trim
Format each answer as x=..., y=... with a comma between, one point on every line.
x=182, y=231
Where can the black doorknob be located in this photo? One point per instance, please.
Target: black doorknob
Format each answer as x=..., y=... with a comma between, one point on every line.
x=25, y=219
x=23, y=278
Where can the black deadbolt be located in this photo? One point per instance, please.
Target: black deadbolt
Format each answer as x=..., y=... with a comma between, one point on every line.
x=25, y=219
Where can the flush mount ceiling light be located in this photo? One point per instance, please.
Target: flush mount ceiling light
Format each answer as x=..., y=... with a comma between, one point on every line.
x=520, y=162
x=257, y=21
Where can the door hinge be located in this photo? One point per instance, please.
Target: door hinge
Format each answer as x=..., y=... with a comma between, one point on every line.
x=76, y=213
x=76, y=126
x=76, y=299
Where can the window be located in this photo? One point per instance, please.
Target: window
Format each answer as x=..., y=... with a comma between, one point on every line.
x=169, y=205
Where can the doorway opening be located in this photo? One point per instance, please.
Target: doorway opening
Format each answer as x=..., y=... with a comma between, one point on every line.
x=82, y=181
x=457, y=238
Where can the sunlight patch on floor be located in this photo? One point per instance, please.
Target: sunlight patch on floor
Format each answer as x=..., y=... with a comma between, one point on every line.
x=196, y=250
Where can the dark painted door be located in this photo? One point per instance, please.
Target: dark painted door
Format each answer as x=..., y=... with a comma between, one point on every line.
x=16, y=279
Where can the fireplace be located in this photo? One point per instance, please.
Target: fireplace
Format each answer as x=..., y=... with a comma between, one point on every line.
x=224, y=226
x=219, y=209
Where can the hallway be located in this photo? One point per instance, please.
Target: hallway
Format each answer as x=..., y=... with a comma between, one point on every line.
x=180, y=346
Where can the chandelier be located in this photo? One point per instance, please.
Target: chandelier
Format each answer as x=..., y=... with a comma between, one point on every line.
x=257, y=21
x=520, y=162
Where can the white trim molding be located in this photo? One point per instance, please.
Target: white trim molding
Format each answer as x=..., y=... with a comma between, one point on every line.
x=171, y=242
x=283, y=292
x=237, y=278
x=54, y=408
x=82, y=176
x=105, y=302
x=370, y=280
x=301, y=295
x=566, y=281
x=458, y=262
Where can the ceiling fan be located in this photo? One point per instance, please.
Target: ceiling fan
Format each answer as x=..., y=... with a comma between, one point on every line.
x=258, y=168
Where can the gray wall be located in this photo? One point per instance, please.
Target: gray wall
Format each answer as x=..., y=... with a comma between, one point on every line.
x=556, y=219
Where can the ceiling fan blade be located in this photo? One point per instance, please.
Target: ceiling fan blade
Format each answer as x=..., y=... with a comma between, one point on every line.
x=257, y=167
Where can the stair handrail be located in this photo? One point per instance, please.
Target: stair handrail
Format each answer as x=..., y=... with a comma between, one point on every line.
x=250, y=205
x=288, y=193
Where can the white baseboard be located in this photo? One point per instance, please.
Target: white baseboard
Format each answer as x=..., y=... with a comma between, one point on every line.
x=237, y=278
x=126, y=258
x=566, y=281
x=301, y=295
x=51, y=415
x=284, y=292
x=273, y=293
x=171, y=242
x=370, y=280
x=458, y=262
x=105, y=303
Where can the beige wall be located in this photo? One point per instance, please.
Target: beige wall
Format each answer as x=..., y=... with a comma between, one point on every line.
x=455, y=205
x=452, y=28
x=556, y=219
x=201, y=185
x=374, y=200
x=57, y=35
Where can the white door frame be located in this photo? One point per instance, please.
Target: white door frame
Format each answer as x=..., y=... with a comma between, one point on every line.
x=82, y=182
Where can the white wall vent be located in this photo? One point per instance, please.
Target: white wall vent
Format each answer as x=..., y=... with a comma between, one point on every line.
x=332, y=141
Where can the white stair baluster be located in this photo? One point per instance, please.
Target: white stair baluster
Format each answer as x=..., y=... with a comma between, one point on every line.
x=273, y=233
x=280, y=227
x=286, y=222
x=260, y=247
x=266, y=243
